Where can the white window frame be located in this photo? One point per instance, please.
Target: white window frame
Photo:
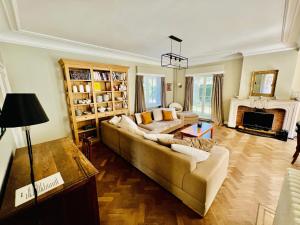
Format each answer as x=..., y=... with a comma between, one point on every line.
x=202, y=114
x=154, y=76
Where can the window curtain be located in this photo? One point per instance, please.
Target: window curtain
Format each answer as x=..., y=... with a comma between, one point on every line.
x=163, y=92
x=140, y=105
x=216, y=99
x=188, y=99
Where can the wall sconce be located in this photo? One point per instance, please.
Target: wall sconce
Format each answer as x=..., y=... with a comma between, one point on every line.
x=179, y=85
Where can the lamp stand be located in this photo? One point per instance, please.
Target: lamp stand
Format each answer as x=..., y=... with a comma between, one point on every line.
x=29, y=147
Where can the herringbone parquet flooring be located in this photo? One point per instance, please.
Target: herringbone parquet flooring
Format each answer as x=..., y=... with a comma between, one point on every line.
x=256, y=169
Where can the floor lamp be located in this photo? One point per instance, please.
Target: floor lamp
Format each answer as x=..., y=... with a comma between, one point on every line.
x=23, y=110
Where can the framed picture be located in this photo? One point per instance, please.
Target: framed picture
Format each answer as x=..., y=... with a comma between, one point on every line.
x=2, y=129
x=169, y=86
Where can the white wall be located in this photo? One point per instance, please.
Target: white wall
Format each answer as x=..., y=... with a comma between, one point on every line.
x=232, y=72
x=37, y=70
x=284, y=61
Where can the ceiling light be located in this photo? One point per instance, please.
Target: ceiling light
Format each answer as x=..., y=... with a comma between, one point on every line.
x=173, y=60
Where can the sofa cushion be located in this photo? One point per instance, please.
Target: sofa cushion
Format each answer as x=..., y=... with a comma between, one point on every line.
x=204, y=182
x=146, y=117
x=162, y=126
x=155, y=137
x=174, y=114
x=157, y=114
x=196, y=154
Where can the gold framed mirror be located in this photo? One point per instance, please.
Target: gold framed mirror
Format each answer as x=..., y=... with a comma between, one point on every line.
x=263, y=83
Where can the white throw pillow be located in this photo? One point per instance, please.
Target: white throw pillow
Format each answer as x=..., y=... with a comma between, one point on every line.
x=197, y=154
x=155, y=137
x=157, y=114
x=174, y=115
x=115, y=120
x=138, y=118
x=127, y=123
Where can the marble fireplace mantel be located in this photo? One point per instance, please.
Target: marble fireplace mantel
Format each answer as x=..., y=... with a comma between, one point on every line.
x=291, y=111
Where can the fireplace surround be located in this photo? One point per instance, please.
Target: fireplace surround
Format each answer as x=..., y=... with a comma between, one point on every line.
x=285, y=113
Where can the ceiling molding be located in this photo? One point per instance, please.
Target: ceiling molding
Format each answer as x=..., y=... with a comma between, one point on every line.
x=269, y=49
x=11, y=13
x=291, y=22
x=195, y=61
x=22, y=37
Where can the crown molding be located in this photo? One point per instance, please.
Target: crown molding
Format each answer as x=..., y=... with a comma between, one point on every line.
x=269, y=49
x=290, y=34
x=11, y=13
x=22, y=37
x=291, y=22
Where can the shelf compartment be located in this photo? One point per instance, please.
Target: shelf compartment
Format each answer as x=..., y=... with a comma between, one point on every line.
x=85, y=117
x=80, y=131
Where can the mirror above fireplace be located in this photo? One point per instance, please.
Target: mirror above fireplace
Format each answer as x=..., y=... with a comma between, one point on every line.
x=263, y=83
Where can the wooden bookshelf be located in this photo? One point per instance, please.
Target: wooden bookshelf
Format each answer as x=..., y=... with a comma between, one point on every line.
x=87, y=107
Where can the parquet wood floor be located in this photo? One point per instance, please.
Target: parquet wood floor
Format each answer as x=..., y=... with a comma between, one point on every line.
x=256, y=170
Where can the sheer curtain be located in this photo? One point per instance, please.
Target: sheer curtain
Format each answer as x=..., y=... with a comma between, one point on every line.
x=152, y=91
x=140, y=105
x=217, y=99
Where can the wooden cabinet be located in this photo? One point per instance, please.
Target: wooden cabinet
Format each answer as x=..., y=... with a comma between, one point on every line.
x=94, y=91
x=75, y=202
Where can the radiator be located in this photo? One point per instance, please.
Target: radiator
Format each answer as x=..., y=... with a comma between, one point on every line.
x=288, y=208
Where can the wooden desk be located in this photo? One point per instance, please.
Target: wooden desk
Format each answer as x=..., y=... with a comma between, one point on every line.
x=74, y=202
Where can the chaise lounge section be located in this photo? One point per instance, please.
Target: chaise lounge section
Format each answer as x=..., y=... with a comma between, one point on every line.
x=196, y=184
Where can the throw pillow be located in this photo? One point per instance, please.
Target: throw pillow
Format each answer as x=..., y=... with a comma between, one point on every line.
x=138, y=118
x=174, y=114
x=157, y=114
x=198, y=143
x=115, y=120
x=146, y=117
x=196, y=154
x=155, y=137
x=167, y=115
x=127, y=123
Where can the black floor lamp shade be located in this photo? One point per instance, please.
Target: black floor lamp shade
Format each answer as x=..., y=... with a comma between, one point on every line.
x=20, y=110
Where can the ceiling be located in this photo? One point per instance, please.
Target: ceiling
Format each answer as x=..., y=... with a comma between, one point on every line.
x=141, y=27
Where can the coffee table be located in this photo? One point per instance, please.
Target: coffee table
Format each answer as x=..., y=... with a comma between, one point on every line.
x=205, y=131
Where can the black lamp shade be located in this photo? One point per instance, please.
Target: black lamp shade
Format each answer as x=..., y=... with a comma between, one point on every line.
x=20, y=110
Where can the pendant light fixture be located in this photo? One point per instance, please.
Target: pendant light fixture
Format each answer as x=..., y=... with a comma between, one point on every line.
x=173, y=60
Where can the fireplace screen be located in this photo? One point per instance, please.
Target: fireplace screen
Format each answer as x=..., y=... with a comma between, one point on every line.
x=258, y=120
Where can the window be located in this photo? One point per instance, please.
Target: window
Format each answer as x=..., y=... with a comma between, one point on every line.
x=202, y=95
x=152, y=91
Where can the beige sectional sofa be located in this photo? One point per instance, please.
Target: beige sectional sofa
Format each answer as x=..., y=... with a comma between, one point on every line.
x=196, y=184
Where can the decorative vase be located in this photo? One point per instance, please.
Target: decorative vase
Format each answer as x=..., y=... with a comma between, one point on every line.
x=106, y=98
x=87, y=88
x=75, y=90
x=99, y=98
x=81, y=88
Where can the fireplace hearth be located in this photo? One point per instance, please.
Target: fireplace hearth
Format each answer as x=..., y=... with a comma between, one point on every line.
x=258, y=120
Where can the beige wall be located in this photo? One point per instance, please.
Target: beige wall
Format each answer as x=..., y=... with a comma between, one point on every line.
x=232, y=73
x=284, y=61
x=296, y=80
x=37, y=70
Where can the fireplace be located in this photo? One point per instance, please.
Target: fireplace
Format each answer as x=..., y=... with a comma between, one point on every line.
x=258, y=120
x=285, y=113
